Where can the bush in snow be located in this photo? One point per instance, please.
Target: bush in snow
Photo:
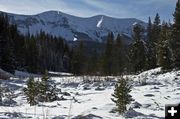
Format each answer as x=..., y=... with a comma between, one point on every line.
x=40, y=91
x=47, y=91
x=121, y=95
x=31, y=91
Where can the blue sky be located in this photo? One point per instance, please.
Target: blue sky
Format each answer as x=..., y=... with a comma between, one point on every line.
x=140, y=9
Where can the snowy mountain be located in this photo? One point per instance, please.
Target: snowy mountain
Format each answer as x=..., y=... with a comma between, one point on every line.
x=73, y=28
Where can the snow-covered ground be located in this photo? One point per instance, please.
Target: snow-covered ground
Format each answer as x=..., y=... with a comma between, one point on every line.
x=90, y=97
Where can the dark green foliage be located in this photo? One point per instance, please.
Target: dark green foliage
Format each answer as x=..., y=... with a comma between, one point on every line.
x=40, y=91
x=108, y=56
x=41, y=52
x=31, y=53
x=163, y=52
x=79, y=59
x=119, y=56
x=151, y=57
x=31, y=91
x=121, y=95
x=46, y=53
x=175, y=42
x=137, y=52
x=93, y=63
x=7, y=59
x=152, y=41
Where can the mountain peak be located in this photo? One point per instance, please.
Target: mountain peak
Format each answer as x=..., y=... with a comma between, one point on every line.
x=60, y=24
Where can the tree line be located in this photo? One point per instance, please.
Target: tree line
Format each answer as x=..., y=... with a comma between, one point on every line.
x=34, y=54
x=158, y=45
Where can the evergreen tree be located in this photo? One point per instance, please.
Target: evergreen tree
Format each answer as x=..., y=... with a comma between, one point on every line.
x=151, y=58
x=153, y=41
x=175, y=43
x=31, y=55
x=93, y=63
x=121, y=95
x=78, y=60
x=137, y=52
x=149, y=30
x=43, y=88
x=163, y=48
x=31, y=91
x=40, y=91
x=108, y=56
x=119, y=55
x=7, y=58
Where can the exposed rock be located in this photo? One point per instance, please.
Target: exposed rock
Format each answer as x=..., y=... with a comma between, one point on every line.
x=59, y=117
x=86, y=87
x=89, y=116
x=135, y=105
x=149, y=95
x=146, y=105
x=99, y=88
x=13, y=115
x=66, y=94
x=62, y=98
x=9, y=102
x=132, y=113
x=95, y=108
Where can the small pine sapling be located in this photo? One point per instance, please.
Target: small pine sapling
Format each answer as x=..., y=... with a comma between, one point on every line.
x=121, y=95
x=31, y=91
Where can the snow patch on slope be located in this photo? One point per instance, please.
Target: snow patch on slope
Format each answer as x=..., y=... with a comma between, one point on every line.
x=100, y=22
x=75, y=39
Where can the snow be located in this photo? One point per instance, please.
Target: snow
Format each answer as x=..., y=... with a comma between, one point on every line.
x=60, y=73
x=67, y=26
x=75, y=39
x=24, y=74
x=92, y=97
x=99, y=22
x=135, y=23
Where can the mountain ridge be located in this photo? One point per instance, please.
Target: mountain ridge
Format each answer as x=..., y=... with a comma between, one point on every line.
x=72, y=27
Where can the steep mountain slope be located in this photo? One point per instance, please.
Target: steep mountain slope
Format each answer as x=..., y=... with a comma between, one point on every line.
x=72, y=28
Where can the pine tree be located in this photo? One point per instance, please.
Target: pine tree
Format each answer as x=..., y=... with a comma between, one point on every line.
x=7, y=58
x=119, y=55
x=93, y=63
x=163, y=48
x=151, y=58
x=108, y=56
x=43, y=88
x=153, y=41
x=175, y=43
x=149, y=30
x=78, y=60
x=137, y=52
x=31, y=91
x=121, y=95
x=40, y=91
